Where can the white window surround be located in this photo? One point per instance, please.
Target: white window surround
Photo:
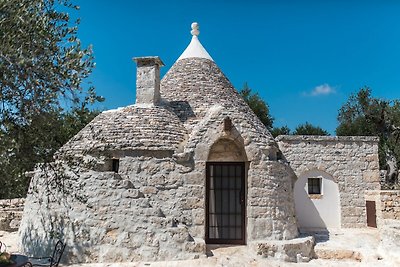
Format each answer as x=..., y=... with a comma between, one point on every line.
x=314, y=210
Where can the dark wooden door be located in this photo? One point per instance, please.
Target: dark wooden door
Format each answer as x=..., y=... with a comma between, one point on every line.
x=371, y=213
x=225, y=203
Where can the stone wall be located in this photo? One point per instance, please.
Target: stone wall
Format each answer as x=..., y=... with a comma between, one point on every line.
x=390, y=204
x=351, y=161
x=147, y=211
x=11, y=213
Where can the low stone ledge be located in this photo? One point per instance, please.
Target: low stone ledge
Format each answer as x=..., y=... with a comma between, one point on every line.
x=197, y=246
x=11, y=214
x=12, y=203
x=337, y=254
x=321, y=138
x=294, y=250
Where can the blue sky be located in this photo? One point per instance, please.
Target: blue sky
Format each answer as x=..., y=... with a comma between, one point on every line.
x=304, y=58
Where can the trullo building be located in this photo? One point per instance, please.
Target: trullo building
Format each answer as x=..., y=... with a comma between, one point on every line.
x=189, y=164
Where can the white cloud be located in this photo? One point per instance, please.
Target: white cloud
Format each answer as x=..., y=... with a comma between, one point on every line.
x=323, y=89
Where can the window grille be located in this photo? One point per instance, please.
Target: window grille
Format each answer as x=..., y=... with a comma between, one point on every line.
x=314, y=186
x=115, y=165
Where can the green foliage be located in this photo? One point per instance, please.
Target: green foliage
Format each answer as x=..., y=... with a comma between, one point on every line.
x=309, y=129
x=23, y=146
x=352, y=117
x=363, y=114
x=261, y=109
x=258, y=105
x=284, y=130
x=42, y=98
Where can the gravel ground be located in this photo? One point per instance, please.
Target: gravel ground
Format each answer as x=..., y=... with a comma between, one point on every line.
x=363, y=241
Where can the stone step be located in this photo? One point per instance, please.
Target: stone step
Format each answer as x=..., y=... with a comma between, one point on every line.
x=293, y=250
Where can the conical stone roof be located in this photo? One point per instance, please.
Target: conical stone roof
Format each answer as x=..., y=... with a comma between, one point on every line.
x=195, y=83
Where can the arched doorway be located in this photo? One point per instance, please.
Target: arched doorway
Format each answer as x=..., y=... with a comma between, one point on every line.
x=225, y=194
x=317, y=200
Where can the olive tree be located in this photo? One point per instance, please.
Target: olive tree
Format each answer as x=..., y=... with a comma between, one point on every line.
x=363, y=114
x=43, y=96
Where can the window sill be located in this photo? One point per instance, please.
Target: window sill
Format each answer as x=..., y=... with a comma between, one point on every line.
x=315, y=196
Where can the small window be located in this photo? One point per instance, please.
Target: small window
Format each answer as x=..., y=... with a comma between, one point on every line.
x=115, y=165
x=314, y=186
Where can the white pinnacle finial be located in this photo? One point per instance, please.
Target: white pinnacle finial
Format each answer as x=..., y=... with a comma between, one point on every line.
x=195, y=49
x=195, y=29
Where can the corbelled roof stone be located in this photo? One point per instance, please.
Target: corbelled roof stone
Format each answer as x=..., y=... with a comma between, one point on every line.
x=130, y=128
x=193, y=85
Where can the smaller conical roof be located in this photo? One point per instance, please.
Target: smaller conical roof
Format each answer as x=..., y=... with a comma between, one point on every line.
x=128, y=129
x=195, y=48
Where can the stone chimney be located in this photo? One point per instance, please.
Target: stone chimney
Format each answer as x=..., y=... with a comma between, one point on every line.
x=148, y=80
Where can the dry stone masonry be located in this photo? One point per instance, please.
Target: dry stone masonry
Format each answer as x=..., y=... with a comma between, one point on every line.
x=132, y=185
x=390, y=204
x=11, y=213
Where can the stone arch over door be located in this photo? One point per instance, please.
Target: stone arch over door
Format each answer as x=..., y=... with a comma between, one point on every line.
x=226, y=150
x=226, y=193
x=317, y=210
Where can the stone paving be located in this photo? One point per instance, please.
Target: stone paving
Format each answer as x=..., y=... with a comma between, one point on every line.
x=354, y=247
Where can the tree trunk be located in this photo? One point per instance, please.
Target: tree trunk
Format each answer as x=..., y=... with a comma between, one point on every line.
x=392, y=174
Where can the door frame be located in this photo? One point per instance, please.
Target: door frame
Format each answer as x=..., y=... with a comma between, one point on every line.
x=243, y=203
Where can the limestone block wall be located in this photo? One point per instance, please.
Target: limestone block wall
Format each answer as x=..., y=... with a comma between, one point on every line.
x=390, y=204
x=146, y=211
x=11, y=213
x=351, y=161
